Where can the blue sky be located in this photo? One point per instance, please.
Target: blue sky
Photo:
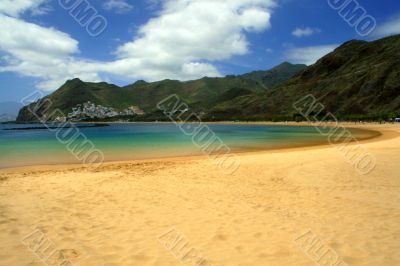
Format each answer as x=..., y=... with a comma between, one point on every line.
x=42, y=44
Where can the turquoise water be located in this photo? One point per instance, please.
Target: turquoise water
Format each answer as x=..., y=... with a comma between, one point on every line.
x=144, y=141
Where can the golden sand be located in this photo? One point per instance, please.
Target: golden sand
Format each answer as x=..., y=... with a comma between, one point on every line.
x=302, y=206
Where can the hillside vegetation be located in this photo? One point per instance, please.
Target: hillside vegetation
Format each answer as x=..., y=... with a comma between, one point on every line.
x=201, y=95
x=359, y=80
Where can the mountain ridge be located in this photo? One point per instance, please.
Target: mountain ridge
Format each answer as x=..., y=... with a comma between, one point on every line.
x=200, y=94
x=359, y=80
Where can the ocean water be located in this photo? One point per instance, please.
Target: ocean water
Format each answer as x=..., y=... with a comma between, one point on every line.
x=144, y=141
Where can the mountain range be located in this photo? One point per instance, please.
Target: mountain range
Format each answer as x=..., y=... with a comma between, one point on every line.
x=9, y=111
x=358, y=80
x=201, y=95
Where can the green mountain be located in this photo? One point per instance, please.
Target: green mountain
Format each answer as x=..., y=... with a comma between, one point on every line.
x=201, y=95
x=359, y=80
x=276, y=75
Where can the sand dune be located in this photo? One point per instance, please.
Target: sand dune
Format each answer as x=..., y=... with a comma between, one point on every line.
x=288, y=207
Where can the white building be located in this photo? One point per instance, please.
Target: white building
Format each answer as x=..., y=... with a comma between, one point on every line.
x=91, y=110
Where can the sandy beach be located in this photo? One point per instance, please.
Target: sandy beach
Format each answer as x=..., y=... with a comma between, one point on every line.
x=299, y=206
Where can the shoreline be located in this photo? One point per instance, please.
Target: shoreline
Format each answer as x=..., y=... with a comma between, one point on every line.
x=266, y=123
x=376, y=135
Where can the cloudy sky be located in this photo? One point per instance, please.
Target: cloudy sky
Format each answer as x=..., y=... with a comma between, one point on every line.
x=43, y=44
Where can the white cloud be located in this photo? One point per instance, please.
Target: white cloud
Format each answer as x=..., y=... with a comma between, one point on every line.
x=390, y=27
x=153, y=4
x=181, y=43
x=308, y=55
x=26, y=40
x=119, y=6
x=189, y=32
x=303, y=32
x=17, y=7
x=41, y=10
x=40, y=52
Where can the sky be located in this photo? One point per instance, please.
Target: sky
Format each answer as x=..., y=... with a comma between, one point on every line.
x=44, y=43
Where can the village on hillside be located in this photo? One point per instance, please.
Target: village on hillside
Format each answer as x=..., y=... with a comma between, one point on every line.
x=93, y=111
